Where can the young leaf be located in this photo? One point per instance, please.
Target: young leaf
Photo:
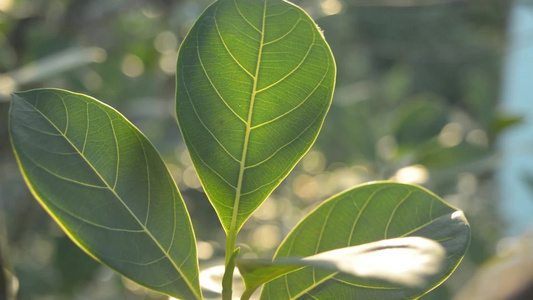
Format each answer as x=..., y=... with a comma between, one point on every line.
x=405, y=262
x=107, y=187
x=254, y=82
x=365, y=214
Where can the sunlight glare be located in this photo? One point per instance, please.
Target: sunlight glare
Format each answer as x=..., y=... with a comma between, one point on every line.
x=5, y=5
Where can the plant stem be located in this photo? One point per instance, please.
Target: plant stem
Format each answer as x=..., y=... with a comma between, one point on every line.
x=230, y=246
x=231, y=254
x=247, y=294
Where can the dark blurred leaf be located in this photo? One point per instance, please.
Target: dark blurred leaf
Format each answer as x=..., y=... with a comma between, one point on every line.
x=436, y=157
x=502, y=122
x=420, y=120
x=67, y=256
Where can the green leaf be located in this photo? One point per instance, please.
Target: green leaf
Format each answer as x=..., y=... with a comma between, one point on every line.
x=107, y=187
x=406, y=262
x=365, y=214
x=254, y=82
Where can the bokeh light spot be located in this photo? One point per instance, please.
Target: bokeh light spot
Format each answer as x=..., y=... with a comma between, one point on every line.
x=5, y=5
x=167, y=62
x=132, y=66
x=266, y=237
x=190, y=178
x=331, y=7
x=417, y=174
x=205, y=250
x=451, y=135
x=314, y=162
x=166, y=41
x=478, y=137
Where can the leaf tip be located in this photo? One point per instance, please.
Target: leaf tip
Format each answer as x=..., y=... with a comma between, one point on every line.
x=460, y=216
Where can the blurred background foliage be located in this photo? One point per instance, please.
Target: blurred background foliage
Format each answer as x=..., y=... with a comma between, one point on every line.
x=418, y=87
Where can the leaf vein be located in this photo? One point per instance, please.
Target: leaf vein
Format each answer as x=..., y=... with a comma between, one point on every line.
x=138, y=263
x=287, y=144
x=299, y=104
x=360, y=213
x=226, y=46
x=394, y=212
x=422, y=226
x=205, y=126
x=149, y=191
x=62, y=177
x=210, y=168
x=116, y=148
x=244, y=18
x=286, y=34
x=66, y=116
x=365, y=286
x=86, y=130
x=95, y=224
x=173, y=217
x=293, y=70
x=211, y=82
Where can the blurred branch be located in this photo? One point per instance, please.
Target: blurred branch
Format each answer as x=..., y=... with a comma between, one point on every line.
x=47, y=67
x=8, y=282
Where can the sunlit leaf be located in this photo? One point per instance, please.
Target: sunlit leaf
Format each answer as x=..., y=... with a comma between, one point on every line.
x=365, y=214
x=254, y=82
x=107, y=187
x=405, y=262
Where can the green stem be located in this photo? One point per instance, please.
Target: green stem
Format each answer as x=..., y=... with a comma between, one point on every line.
x=231, y=255
x=247, y=294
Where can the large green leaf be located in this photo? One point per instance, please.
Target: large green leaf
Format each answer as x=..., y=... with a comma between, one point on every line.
x=108, y=188
x=254, y=82
x=362, y=215
x=410, y=262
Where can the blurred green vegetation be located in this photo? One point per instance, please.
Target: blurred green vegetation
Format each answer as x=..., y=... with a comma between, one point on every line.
x=416, y=101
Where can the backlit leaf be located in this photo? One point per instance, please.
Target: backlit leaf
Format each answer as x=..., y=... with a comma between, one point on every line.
x=254, y=82
x=107, y=187
x=365, y=214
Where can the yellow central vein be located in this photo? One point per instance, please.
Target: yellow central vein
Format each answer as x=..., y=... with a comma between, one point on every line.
x=248, y=129
x=145, y=229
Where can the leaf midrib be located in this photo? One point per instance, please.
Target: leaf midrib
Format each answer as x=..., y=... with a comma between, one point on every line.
x=242, y=165
x=145, y=229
